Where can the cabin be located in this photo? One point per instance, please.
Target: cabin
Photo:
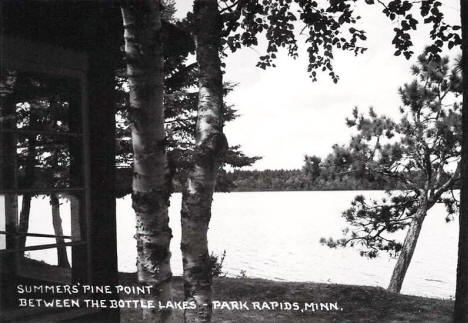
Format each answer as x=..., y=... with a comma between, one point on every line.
x=58, y=61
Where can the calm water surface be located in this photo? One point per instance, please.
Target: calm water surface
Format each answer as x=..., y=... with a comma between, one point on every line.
x=275, y=235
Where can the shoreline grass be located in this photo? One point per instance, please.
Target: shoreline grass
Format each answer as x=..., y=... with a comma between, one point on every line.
x=355, y=303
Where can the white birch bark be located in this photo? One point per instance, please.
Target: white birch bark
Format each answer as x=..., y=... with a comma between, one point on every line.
x=210, y=143
x=151, y=182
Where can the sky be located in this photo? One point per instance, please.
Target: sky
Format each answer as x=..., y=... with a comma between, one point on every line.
x=284, y=116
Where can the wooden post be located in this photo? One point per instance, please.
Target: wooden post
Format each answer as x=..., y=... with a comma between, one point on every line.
x=102, y=235
x=81, y=270
x=461, y=294
x=9, y=264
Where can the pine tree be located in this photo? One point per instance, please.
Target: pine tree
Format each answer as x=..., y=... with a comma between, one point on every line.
x=421, y=152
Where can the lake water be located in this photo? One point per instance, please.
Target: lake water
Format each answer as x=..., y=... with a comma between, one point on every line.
x=275, y=235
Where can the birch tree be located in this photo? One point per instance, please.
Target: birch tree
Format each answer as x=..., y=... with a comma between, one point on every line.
x=151, y=182
x=210, y=144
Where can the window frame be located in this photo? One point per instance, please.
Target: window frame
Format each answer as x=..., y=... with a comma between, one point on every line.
x=30, y=56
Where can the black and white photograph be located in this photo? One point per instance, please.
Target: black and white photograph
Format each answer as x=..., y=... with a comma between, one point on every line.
x=233, y=161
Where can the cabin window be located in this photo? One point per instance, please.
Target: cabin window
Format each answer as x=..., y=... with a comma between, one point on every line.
x=44, y=190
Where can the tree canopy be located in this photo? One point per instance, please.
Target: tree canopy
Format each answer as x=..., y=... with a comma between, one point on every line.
x=328, y=26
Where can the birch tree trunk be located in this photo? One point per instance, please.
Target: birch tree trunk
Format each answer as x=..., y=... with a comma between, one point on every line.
x=210, y=143
x=151, y=176
x=62, y=258
x=461, y=294
x=409, y=245
x=28, y=181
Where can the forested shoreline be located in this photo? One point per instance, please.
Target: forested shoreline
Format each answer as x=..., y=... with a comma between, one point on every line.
x=274, y=180
x=239, y=180
x=298, y=180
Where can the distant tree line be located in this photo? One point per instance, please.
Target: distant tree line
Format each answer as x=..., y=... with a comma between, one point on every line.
x=278, y=180
x=322, y=179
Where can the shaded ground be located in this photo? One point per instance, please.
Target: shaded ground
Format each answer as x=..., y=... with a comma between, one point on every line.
x=358, y=303
x=340, y=303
